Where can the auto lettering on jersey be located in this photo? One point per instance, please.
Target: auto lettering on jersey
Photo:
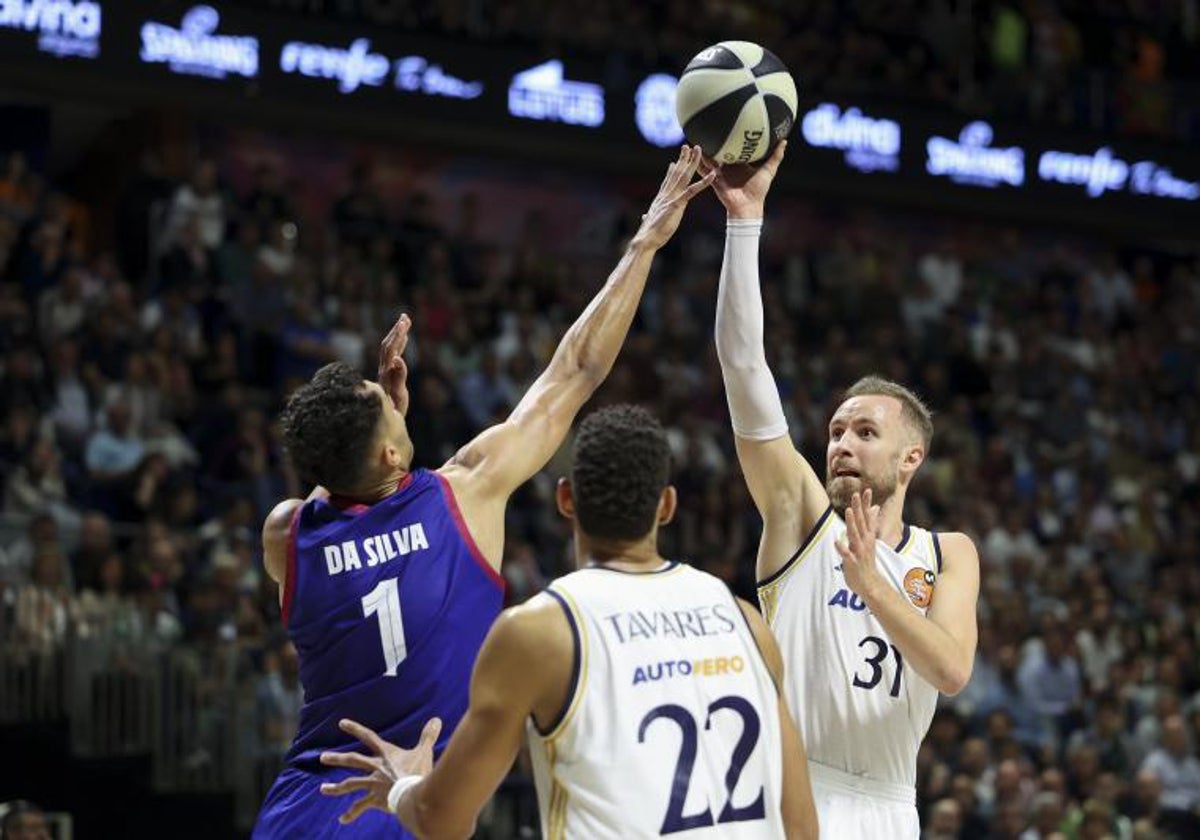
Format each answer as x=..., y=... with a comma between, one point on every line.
x=372, y=550
x=919, y=585
x=696, y=622
x=847, y=600
x=713, y=666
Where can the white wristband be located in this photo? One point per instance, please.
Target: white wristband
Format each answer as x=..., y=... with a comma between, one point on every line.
x=399, y=787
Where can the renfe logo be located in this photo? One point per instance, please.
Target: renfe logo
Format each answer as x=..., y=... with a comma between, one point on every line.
x=870, y=144
x=357, y=65
x=194, y=50
x=972, y=160
x=654, y=110
x=64, y=28
x=541, y=93
x=1103, y=171
x=351, y=67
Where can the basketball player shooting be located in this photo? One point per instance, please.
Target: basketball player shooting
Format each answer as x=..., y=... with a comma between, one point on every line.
x=389, y=576
x=648, y=693
x=874, y=616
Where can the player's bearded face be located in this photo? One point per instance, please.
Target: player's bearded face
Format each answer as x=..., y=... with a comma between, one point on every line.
x=880, y=478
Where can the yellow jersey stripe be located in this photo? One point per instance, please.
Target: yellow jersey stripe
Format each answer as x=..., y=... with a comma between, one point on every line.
x=556, y=818
x=581, y=681
x=768, y=590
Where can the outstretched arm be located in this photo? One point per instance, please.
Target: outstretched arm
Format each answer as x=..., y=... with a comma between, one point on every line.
x=487, y=470
x=505, y=691
x=786, y=491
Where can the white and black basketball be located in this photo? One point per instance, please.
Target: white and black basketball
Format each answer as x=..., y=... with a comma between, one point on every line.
x=736, y=100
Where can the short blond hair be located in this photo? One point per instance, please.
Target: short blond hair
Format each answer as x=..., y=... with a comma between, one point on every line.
x=912, y=408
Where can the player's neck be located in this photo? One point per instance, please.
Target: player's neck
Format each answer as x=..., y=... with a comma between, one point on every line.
x=377, y=490
x=640, y=556
x=891, y=519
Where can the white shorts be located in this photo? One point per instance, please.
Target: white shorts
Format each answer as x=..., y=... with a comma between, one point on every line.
x=850, y=807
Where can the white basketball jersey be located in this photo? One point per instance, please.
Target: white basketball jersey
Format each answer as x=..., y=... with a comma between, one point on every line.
x=673, y=722
x=860, y=709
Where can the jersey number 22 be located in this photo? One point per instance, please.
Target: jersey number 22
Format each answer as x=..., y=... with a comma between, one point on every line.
x=675, y=820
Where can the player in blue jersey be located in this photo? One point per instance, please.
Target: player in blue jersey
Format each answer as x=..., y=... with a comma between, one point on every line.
x=388, y=576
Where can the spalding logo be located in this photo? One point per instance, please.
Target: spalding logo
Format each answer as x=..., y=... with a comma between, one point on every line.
x=750, y=140
x=918, y=586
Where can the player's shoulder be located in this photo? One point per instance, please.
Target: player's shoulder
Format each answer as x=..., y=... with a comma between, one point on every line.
x=958, y=549
x=539, y=625
x=279, y=521
x=957, y=542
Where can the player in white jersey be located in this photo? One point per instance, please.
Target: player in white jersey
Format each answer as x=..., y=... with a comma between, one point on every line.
x=650, y=696
x=873, y=621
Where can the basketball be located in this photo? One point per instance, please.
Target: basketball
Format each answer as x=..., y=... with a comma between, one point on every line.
x=736, y=100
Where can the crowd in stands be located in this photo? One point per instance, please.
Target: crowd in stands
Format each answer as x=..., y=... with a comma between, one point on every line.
x=1120, y=65
x=142, y=378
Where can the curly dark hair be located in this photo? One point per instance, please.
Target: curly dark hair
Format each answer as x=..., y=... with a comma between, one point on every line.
x=622, y=462
x=328, y=426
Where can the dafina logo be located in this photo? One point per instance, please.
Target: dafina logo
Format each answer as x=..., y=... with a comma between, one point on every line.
x=195, y=50
x=869, y=144
x=64, y=28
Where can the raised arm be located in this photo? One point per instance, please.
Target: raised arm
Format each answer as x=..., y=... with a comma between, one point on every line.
x=485, y=472
x=505, y=691
x=785, y=489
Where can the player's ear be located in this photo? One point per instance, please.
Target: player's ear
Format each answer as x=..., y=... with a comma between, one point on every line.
x=668, y=502
x=564, y=498
x=390, y=456
x=911, y=460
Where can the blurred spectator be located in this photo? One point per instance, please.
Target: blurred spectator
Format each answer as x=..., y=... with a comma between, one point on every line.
x=20, y=186
x=198, y=206
x=23, y=821
x=114, y=449
x=36, y=486
x=279, y=698
x=1047, y=818
x=359, y=214
x=1176, y=767
x=1051, y=683
x=945, y=821
x=267, y=201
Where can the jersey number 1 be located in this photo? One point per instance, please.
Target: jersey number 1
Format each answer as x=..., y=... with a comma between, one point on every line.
x=384, y=601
